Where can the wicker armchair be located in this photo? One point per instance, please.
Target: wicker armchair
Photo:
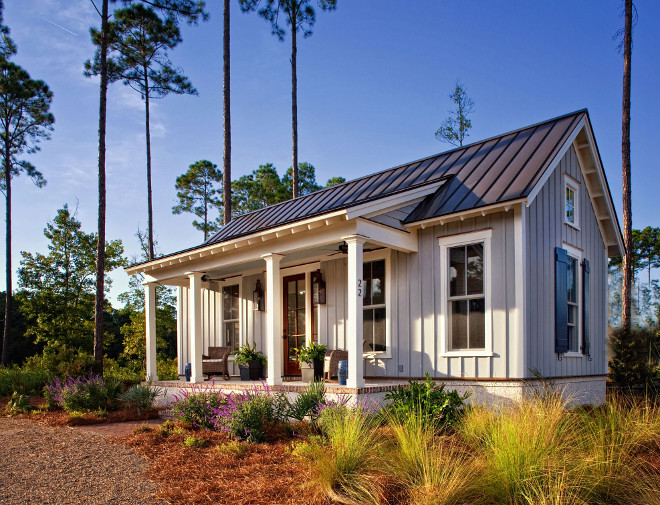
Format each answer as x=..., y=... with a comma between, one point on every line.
x=216, y=362
x=332, y=359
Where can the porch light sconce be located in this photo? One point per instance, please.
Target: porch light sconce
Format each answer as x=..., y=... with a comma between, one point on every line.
x=258, y=296
x=318, y=288
x=343, y=248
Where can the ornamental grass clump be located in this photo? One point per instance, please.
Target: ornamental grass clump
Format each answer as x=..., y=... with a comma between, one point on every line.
x=618, y=439
x=528, y=450
x=84, y=394
x=345, y=459
x=432, y=469
x=141, y=396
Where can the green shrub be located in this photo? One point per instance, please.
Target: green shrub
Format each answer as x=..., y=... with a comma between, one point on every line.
x=249, y=416
x=62, y=362
x=127, y=375
x=168, y=369
x=191, y=441
x=19, y=404
x=23, y=380
x=440, y=408
x=84, y=394
x=141, y=396
x=634, y=357
x=308, y=402
x=198, y=407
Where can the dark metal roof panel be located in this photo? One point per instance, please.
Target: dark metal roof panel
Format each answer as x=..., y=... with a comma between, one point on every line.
x=498, y=169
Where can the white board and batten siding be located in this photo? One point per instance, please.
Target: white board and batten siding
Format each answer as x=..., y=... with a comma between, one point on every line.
x=252, y=323
x=414, y=312
x=547, y=230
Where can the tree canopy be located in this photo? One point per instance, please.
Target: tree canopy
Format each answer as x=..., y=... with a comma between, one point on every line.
x=198, y=194
x=59, y=286
x=457, y=126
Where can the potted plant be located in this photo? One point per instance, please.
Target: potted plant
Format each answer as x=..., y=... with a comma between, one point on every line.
x=311, y=361
x=250, y=362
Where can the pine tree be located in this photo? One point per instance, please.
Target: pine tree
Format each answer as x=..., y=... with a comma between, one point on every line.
x=191, y=10
x=456, y=127
x=138, y=41
x=300, y=16
x=25, y=120
x=198, y=195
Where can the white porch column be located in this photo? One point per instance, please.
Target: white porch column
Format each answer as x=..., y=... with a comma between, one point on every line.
x=195, y=322
x=355, y=315
x=273, y=318
x=150, y=315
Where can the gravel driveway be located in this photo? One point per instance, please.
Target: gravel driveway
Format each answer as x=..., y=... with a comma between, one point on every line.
x=44, y=465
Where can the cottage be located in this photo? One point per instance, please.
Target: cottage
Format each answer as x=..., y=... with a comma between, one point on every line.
x=484, y=266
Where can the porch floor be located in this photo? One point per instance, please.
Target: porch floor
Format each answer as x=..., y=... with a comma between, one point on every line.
x=288, y=386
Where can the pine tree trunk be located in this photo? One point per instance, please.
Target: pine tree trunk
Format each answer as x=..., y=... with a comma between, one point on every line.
x=100, y=249
x=8, y=293
x=150, y=209
x=226, y=178
x=625, y=157
x=294, y=107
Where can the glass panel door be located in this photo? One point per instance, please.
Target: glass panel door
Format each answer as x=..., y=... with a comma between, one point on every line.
x=295, y=318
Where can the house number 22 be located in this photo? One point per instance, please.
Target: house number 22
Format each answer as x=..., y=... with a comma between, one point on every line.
x=359, y=283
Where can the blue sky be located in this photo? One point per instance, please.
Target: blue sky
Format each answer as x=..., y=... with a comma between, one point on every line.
x=373, y=82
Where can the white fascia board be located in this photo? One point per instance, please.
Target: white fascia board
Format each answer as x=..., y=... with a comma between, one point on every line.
x=465, y=214
x=555, y=161
x=394, y=201
x=291, y=243
x=387, y=236
x=606, y=193
x=248, y=240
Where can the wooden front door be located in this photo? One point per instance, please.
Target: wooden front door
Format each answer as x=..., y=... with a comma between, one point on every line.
x=295, y=320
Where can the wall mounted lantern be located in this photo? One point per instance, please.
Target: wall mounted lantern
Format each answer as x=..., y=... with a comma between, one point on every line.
x=258, y=296
x=318, y=288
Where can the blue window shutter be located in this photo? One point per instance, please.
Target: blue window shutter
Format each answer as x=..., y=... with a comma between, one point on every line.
x=561, y=302
x=586, y=345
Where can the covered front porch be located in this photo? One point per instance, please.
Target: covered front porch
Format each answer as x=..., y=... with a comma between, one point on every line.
x=280, y=290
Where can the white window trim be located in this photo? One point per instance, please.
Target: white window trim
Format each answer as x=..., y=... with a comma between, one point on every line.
x=574, y=185
x=385, y=254
x=446, y=243
x=232, y=281
x=576, y=253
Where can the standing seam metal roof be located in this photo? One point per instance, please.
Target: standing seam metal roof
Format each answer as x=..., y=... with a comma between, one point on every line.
x=494, y=170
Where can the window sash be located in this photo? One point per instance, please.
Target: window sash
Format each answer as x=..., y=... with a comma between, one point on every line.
x=373, y=329
x=231, y=329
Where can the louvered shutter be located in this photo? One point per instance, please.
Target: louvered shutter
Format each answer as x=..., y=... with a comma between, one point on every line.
x=561, y=302
x=586, y=338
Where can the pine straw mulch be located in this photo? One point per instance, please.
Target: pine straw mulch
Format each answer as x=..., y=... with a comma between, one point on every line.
x=255, y=474
x=62, y=418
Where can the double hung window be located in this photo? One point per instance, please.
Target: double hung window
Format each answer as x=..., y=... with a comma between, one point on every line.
x=374, y=316
x=465, y=293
